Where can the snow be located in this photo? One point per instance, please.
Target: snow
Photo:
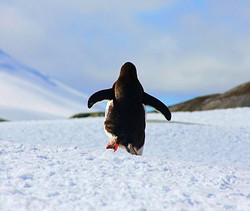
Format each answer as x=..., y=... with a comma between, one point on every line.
x=18, y=114
x=223, y=117
x=38, y=96
x=201, y=164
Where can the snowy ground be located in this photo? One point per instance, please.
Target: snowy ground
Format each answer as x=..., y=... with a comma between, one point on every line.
x=203, y=163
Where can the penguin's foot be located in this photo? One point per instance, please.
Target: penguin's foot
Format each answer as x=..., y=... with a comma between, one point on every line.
x=130, y=149
x=112, y=145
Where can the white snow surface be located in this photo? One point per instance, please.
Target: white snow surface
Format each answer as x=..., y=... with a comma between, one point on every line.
x=201, y=164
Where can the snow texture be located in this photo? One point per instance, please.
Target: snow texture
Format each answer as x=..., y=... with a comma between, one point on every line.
x=201, y=164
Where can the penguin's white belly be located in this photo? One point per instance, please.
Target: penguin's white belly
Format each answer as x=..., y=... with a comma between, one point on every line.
x=111, y=136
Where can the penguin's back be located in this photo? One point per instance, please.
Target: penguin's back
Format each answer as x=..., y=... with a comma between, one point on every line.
x=125, y=118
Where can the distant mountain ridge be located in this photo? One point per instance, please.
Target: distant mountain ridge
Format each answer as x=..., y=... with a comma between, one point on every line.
x=26, y=93
x=236, y=97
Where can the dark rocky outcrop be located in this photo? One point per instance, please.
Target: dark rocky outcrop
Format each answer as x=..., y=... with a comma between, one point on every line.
x=83, y=115
x=236, y=97
x=3, y=120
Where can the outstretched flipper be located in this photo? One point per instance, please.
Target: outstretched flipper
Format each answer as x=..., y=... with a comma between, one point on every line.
x=106, y=94
x=157, y=104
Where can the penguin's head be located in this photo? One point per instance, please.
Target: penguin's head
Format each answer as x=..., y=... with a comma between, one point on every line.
x=127, y=88
x=128, y=70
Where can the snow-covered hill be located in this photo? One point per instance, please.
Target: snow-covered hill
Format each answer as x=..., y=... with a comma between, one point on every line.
x=200, y=161
x=27, y=94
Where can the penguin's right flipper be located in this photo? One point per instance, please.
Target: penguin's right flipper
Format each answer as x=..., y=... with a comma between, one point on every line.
x=106, y=94
x=157, y=104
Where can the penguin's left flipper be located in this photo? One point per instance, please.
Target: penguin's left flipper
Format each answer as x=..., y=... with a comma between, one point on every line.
x=151, y=101
x=106, y=94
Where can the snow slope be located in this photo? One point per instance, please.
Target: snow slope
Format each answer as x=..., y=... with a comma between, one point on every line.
x=29, y=94
x=202, y=164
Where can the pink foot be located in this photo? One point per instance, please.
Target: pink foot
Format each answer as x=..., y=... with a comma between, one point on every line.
x=112, y=145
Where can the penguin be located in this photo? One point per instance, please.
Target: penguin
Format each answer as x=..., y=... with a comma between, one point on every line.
x=125, y=116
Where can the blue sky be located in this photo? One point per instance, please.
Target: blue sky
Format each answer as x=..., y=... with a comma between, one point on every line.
x=181, y=49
